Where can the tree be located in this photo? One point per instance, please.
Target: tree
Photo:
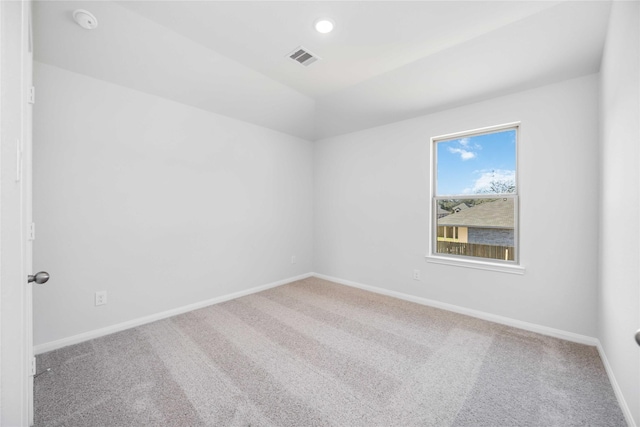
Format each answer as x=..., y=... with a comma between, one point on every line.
x=499, y=187
x=495, y=186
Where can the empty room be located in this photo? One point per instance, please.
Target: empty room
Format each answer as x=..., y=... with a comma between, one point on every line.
x=320, y=213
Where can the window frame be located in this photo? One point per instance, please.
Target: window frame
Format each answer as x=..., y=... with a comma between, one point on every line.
x=507, y=266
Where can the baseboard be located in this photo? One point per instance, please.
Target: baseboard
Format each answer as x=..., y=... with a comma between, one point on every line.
x=532, y=327
x=75, y=339
x=616, y=388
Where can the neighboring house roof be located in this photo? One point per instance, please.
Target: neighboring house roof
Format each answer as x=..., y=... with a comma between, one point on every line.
x=458, y=208
x=496, y=214
x=442, y=212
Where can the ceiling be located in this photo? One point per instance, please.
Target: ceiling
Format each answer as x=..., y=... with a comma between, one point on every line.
x=385, y=61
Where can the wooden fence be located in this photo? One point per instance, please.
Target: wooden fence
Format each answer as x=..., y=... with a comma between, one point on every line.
x=476, y=250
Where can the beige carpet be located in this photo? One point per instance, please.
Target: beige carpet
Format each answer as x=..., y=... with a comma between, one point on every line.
x=314, y=353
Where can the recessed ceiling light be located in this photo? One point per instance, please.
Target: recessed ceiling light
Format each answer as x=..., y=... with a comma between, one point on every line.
x=324, y=25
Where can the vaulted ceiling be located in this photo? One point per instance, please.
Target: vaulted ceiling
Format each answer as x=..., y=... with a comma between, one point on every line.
x=385, y=61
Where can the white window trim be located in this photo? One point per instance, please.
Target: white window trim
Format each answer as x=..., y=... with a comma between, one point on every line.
x=478, y=265
x=514, y=267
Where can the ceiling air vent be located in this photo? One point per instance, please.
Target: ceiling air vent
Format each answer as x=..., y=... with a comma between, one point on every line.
x=302, y=56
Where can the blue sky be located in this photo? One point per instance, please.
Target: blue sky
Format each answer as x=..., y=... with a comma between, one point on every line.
x=467, y=165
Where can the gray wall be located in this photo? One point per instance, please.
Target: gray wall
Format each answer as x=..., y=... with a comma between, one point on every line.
x=619, y=292
x=491, y=236
x=372, y=204
x=160, y=204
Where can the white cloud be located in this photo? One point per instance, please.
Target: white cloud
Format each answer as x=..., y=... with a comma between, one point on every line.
x=467, y=149
x=483, y=182
x=464, y=154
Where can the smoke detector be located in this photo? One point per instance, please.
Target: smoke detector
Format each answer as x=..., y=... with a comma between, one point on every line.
x=303, y=57
x=85, y=19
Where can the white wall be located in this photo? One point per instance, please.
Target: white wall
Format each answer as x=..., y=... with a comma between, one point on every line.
x=158, y=203
x=619, y=293
x=372, y=201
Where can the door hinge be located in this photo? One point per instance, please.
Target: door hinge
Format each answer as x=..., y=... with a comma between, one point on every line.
x=33, y=366
x=32, y=231
x=31, y=95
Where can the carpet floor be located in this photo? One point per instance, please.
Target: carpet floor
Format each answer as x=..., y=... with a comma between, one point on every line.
x=315, y=353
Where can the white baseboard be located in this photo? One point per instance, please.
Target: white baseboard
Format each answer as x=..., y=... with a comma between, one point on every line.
x=75, y=339
x=616, y=388
x=532, y=327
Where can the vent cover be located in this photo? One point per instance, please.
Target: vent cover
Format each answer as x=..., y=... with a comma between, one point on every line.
x=302, y=56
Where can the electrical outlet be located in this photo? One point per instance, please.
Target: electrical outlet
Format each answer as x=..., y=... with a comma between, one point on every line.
x=416, y=274
x=293, y=259
x=101, y=298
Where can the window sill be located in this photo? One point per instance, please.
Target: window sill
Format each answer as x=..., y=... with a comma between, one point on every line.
x=479, y=265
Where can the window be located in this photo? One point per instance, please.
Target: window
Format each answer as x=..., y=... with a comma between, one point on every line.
x=475, y=196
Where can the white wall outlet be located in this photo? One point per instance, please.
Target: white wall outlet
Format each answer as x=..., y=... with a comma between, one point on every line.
x=101, y=298
x=293, y=259
x=416, y=274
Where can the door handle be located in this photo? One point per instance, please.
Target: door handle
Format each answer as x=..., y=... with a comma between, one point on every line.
x=638, y=336
x=39, y=278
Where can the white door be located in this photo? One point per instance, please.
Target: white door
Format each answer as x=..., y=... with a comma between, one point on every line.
x=16, y=330
x=27, y=200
